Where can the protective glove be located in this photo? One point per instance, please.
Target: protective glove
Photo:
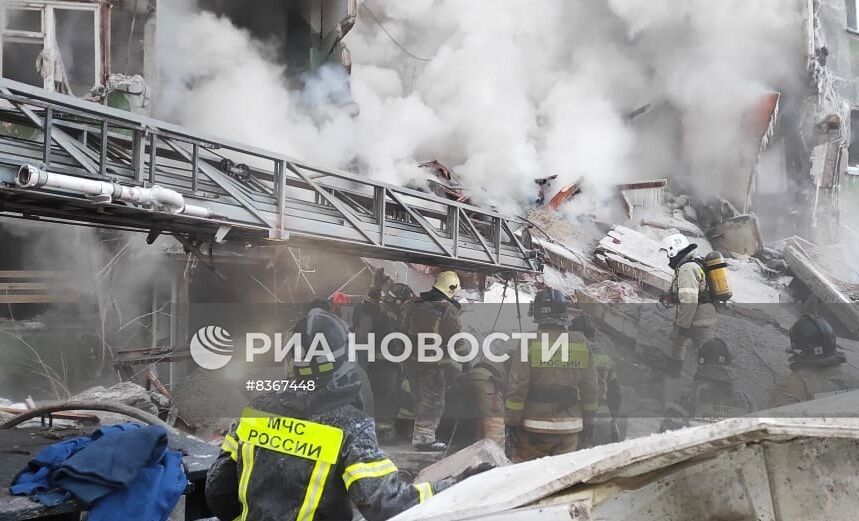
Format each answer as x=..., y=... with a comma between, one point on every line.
x=473, y=471
x=667, y=300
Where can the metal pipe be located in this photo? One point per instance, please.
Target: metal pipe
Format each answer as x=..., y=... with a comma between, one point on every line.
x=165, y=199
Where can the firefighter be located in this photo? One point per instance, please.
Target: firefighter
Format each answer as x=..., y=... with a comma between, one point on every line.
x=486, y=379
x=381, y=313
x=696, y=311
x=818, y=368
x=551, y=400
x=610, y=393
x=711, y=396
x=303, y=453
x=434, y=311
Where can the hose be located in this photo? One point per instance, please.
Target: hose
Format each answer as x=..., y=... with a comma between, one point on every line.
x=114, y=407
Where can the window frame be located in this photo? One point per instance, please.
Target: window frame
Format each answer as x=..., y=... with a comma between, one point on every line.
x=47, y=37
x=852, y=16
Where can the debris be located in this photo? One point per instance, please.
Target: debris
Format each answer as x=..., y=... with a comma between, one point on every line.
x=631, y=115
x=645, y=198
x=127, y=393
x=543, y=185
x=778, y=265
x=769, y=254
x=808, y=264
x=445, y=183
x=633, y=255
x=565, y=194
x=618, y=323
x=689, y=213
x=482, y=451
x=828, y=160
x=612, y=292
x=738, y=235
x=788, y=463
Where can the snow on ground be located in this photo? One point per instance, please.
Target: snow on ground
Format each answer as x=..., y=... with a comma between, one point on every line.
x=750, y=286
x=495, y=294
x=567, y=283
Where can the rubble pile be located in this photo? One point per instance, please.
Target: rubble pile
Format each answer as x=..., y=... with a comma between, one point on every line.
x=127, y=393
x=613, y=292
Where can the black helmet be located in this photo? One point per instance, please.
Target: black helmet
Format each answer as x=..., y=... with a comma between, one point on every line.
x=714, y=359
x=336, y=372
x=812, y=338
x=550, y=307
x=585, y=324
x=399, y=293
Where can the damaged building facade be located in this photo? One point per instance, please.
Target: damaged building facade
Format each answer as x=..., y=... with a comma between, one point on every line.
x=107, y=52
x=217, y=222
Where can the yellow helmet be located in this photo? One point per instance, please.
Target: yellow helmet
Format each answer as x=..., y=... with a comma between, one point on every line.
x=447, y=282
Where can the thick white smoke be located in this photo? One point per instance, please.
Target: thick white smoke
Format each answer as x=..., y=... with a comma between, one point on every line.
x=502, y=91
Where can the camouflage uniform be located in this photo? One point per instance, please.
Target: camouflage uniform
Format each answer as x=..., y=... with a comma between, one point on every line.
x=432, y=312
x=809, y=381
x=307, y=456
x=696, y=314
x=550, y=402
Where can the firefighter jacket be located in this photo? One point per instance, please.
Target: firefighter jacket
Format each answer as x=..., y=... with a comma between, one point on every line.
x=552, y=392
x=433, y=312
x=379, y=318
x=295, y=457
x=810, y=382
x=706, y=401
x=689, y=288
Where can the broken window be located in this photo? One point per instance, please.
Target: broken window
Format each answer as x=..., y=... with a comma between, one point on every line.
x=54, y=45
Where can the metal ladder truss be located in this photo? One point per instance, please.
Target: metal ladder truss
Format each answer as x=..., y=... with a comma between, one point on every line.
x=73, y=161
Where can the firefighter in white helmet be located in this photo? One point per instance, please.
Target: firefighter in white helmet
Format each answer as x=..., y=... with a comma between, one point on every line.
x=434, y=311
x=696, y=311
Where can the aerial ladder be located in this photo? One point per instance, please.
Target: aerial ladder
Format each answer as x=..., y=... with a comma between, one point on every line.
x=73, y=161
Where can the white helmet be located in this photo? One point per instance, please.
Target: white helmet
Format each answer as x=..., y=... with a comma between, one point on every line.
x=674, y=244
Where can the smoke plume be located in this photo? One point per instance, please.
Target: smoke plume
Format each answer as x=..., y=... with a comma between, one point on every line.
x=501, y=91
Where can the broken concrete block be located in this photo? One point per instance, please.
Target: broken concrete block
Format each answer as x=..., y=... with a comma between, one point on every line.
x=483, y=451
x=768, y=254
x=741, y=234
x=634, y=255
x=128, y=393
x=835, y=296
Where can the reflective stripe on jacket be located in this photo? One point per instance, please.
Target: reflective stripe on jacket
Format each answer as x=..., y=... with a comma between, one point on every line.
x=690, y=282
x=278, y=467
x=551, y=394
